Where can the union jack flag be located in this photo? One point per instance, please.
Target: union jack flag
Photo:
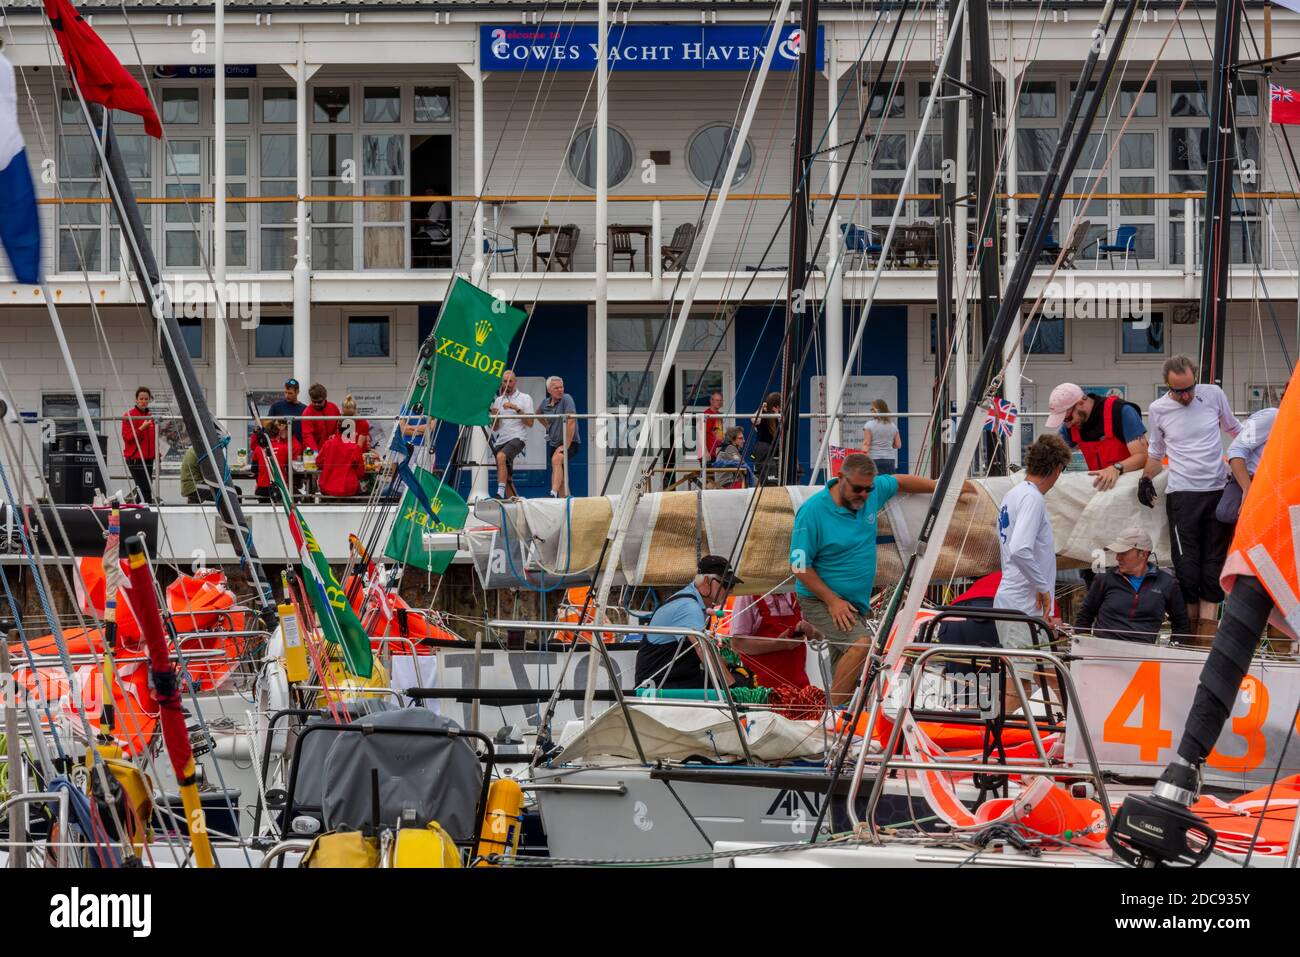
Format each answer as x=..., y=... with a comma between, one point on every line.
x=1280, y=94
x=1001, y=418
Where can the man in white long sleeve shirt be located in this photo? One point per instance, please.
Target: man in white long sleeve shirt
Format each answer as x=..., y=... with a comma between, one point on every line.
x=1248, y=447
x=1186, y=425
x=1026, y=543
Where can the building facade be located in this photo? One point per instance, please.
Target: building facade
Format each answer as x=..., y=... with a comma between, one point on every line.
x=368, y=147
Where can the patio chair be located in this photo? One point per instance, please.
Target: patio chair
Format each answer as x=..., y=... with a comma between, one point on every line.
x=860, y=243
x=620, y=244
x=1125, y=242
x=1076, y=243
x=566, y=243
x=678, y=249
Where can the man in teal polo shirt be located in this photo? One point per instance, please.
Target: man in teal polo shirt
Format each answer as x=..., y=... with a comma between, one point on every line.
x=833, y=548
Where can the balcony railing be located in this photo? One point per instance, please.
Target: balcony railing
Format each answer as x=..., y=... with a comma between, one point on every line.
x=1160, y=237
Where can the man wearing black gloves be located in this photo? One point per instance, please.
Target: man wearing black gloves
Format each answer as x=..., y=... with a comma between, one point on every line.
x=1185, y=424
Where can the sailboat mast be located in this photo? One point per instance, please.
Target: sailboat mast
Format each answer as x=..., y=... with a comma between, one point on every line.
x=1216, y=245
x=797, y=309
x=199, y=422
x=946, y=252
x=986, y=169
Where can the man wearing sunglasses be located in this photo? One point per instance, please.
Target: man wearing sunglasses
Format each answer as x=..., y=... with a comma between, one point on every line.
x=1186, y=425
x=833, y=548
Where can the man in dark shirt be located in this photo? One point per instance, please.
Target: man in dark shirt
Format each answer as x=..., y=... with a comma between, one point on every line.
x=1130, y=601
x=289, y=408
x=1106, y=429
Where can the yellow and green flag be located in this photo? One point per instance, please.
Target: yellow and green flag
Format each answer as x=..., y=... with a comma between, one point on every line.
x=447, y=513
x=339, y=624
x=471, y=348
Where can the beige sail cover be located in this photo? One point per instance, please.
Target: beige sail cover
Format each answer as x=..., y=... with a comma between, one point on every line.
x=670, y=530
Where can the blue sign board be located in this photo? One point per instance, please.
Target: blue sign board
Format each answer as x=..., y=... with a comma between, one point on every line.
x=638, y=47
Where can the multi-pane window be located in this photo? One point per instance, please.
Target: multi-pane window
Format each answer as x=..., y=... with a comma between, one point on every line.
x=278, y=167
x=383, y=164
x=236, y=213
x=183, y=217
x=1188, y=157
x=331, y=234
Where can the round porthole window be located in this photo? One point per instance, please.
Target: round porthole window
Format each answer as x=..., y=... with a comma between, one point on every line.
x=710, y=151
x=582, y=157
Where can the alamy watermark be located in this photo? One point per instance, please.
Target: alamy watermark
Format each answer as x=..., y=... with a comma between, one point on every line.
x=200, y=299
x=1074, y=298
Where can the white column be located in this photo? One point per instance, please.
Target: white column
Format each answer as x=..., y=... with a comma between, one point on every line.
x=480, y=267
x=478, y=445
x=835, y=243
x=656, y=241
x=600, y=344
x=1012, y=387
x=301, y=73
x=221, y=394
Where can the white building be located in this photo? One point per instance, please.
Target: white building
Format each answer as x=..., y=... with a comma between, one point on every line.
x=392, y=101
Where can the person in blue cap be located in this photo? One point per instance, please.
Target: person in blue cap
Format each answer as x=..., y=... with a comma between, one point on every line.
x=289, y=408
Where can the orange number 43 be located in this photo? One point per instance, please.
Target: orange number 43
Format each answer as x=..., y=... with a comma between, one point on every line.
x=1148, y=737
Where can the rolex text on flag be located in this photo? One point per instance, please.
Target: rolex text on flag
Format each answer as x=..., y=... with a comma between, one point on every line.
x=471, y=347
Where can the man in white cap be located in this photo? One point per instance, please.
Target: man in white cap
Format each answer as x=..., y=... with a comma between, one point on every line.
x=1186, y=424
x=1106, y=429
x=1132, y=599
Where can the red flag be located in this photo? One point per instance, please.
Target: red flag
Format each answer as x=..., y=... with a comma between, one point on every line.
x=102, y=78
x=1284, y=105
x=837, y=454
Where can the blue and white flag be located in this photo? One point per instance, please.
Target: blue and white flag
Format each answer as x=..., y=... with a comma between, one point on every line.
x=20, y=229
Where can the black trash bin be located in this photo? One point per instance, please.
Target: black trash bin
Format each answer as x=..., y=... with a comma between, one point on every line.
x=70, y=468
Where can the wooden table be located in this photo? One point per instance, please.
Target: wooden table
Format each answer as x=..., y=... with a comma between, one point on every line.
x=623, y=229
x=534, y=233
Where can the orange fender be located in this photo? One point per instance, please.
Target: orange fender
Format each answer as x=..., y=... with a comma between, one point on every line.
x=1057, y=814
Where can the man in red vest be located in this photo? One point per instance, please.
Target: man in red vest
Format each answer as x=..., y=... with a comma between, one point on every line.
x=1106, y=429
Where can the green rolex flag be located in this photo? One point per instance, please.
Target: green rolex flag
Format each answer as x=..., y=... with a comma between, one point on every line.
x=406, y=541
x=338, y=622
x=471, y=346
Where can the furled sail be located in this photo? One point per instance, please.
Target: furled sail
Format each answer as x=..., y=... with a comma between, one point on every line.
x=552, y=542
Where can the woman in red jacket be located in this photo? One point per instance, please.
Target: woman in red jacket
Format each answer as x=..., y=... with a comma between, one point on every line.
x=342, y=466
x=140, y=443
x=282, y=449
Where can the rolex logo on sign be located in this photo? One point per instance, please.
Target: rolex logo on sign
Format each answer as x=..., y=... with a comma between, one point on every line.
x=435, y=505
x=481, y=330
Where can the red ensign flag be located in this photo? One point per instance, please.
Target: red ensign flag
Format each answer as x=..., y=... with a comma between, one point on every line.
x=1283, y=104
x=102, y=78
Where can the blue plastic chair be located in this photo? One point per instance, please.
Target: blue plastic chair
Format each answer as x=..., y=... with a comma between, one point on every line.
x=859, y=241
x=1125, y=242
x=495, y=246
